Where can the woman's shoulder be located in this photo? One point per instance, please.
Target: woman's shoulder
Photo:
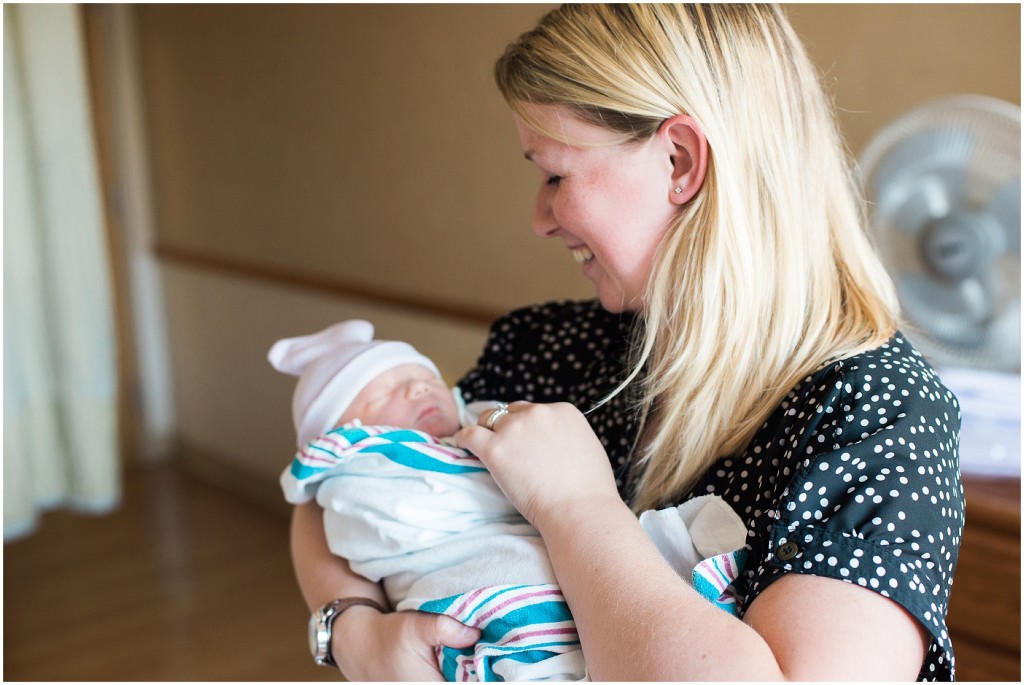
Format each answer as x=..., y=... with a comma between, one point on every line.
x=897, y=354
x=855, y=476
x=884, y=411
x=876, y=386
x=887, y=403
x=889, y=394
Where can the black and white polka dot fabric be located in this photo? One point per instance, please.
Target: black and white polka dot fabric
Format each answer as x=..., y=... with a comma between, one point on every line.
x=854, y=476
x=562, y=352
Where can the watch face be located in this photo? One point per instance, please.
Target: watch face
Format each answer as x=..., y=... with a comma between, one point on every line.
x=314, y=643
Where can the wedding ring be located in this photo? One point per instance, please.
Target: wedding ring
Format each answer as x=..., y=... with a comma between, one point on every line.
x=496, y=414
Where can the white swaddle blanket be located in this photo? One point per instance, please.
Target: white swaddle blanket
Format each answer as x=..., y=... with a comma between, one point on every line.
x=426, y=519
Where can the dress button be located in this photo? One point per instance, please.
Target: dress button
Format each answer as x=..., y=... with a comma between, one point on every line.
x=787, y=551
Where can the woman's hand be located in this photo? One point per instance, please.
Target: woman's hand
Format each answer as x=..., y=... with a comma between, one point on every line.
x=399, y=646
x=368, y=645
x=544, y=457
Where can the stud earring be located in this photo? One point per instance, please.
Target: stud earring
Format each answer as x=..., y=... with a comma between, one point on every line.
x=678, y=190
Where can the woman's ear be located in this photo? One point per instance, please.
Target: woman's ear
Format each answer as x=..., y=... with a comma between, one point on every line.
x=689, y=156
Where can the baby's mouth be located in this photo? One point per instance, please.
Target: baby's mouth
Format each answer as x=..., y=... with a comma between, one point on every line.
x=428, y=412
x=582, y=254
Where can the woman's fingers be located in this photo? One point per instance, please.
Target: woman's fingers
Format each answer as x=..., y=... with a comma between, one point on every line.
x=490, y=419
x=474, y=438
x=542, y=456
x=489, y=423
x=445, y=630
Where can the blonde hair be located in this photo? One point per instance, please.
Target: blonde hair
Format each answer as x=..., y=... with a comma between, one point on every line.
x=767, y=274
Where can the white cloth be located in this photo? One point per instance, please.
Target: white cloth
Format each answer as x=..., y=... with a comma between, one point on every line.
x=427, y=519
x=428, y=534
x=333, y=365
x=697, y=529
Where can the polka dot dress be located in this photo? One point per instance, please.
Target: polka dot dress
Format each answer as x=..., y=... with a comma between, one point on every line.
x=562, y=352
x=854, y=476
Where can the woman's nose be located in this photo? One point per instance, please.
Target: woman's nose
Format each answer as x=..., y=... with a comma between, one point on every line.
x=544, y=224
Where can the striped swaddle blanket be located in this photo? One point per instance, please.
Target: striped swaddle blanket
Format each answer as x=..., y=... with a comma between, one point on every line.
x=426, y=519
x=527, y=633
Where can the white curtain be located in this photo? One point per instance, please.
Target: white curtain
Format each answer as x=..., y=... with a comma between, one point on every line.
x=60, y=427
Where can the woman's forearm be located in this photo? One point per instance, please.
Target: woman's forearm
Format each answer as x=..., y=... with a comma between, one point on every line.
x=321, y=575
x=368, y=645
x=627, y=600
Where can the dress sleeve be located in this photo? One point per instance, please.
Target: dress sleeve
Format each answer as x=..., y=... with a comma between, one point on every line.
x=877, y=499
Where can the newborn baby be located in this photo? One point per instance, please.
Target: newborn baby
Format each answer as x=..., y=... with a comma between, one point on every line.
x=408, y=508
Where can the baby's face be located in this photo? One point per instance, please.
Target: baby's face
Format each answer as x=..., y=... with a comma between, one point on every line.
x=407, y=396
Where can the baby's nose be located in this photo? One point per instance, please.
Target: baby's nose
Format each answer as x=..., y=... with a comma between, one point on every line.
x=415, y=389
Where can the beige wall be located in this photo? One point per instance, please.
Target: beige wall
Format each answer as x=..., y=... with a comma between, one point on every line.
x=317, y=162
x=880, y=60
x=356, y=142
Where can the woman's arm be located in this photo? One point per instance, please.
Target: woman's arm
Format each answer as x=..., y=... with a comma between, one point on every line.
x=366, y=644
x=627, y=601
x=322, y=576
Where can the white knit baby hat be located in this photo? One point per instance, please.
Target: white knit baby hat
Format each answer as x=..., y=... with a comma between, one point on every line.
x=333, y=366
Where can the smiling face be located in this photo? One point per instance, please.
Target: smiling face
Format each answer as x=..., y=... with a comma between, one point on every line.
x=609, y=201
x=406, y=396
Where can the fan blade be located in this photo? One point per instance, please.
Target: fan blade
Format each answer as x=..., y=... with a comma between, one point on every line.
x=969, y=300
x=923, y=200
x=942, y=312
x=921, y=194
x=1003, y=350
x=975, y=299
x=1004, y=205
x=919, y=154
x=901, y=251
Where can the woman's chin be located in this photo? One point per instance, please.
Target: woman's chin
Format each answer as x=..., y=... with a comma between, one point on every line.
x=616, y=303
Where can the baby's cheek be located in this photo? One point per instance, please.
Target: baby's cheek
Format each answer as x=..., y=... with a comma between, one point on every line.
x=443, y=425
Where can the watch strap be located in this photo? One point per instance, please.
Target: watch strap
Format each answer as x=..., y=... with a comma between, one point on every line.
x=336, y=608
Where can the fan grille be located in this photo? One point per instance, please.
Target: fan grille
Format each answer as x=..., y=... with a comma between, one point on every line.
x=943, y=186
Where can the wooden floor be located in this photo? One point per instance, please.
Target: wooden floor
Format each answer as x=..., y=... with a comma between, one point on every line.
x=184, y=582
x=190, y=582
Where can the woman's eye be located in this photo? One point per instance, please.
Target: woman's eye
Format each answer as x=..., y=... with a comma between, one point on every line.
x=554, y=180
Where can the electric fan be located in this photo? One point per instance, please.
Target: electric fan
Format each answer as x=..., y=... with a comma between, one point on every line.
x=943, y=183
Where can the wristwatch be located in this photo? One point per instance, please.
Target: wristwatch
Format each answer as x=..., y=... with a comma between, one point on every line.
x=320, y=626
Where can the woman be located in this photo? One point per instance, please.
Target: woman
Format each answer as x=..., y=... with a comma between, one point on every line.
x=746, y=346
